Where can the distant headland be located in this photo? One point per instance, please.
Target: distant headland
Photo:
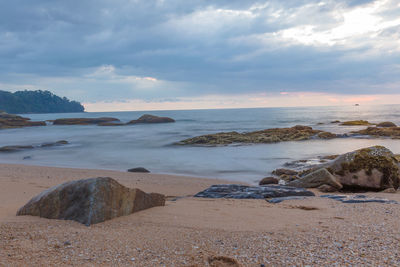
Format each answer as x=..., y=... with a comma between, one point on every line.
x=37, y=102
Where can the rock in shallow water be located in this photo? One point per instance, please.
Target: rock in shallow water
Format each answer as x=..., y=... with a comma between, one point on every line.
x=147, y=118
x=139, y=169
x=84, y=121
x=90, y=201
x=296, y=133
x=252, y=192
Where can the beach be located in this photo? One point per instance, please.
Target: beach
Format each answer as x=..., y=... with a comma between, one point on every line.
x=188, y=230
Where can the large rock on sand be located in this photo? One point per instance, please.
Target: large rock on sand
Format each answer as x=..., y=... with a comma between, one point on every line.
x=147, y=118
x=90, y=201
x=316, y=179
x=374, y=168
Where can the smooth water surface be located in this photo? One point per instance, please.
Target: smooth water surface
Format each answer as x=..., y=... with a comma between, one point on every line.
x=152, y=145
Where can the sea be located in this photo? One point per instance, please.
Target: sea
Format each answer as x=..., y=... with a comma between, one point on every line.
x=153, y=145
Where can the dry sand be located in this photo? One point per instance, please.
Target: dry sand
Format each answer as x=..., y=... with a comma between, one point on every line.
x=187, y=231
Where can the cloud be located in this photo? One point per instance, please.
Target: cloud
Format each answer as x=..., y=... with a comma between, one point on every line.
x=110, y=50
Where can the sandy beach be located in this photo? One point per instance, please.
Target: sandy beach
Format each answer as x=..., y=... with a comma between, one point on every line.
x=189, y=230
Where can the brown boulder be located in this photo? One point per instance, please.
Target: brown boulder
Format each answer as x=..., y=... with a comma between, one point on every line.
x=90, y=201
x=83, y=121
x=268, y=180
x=147, y=118
x=386, y=124
x=373, y=168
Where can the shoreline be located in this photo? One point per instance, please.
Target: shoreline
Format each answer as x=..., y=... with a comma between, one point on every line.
x=187, y=231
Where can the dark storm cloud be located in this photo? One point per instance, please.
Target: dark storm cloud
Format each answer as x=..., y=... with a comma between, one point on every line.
x=197, y=47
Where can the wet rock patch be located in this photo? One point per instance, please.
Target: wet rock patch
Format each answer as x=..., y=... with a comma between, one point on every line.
x=236, y=191
x=359, y=199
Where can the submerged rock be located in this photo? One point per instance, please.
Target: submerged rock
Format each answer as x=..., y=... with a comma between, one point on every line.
x=355, y=123
x=147, y=118
x=296, y=133
x=58, y=143
x=139, y=169
x=316, y=179
x=268, y=180
x=84, y=121
x=25, y=147
x=111, y=124
x=252, y=192
x=14, y=148
x=374, y=168
x=392, y=132
x=8, y=121
x=90, y=201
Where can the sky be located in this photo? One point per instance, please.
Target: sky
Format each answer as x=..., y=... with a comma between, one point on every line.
x=179, y=54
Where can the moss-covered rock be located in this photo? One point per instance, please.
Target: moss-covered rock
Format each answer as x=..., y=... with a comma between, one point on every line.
x=356, y=123
x=374, y=168
x=8, y=121
x=296, y=133
x=84, y=121
x=386, y=124
x=392, y=132
x=147, y=118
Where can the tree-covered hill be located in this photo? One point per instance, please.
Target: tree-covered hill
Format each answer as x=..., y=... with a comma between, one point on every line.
x=37, y=102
